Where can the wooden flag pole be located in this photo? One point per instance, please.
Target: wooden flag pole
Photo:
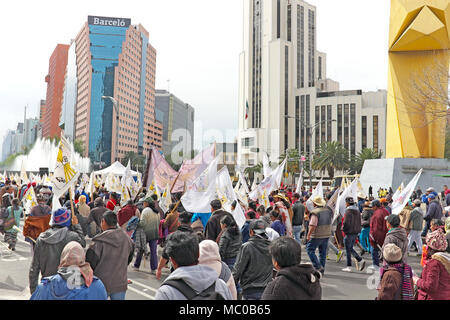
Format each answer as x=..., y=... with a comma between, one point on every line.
x=74, y=218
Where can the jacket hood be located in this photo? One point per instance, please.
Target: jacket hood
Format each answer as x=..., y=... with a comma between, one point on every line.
x=198, y=277
x=261, y=244
x=54, y=235
x=111, y=237
x=444, y=258
x=305, y=276
x=209, y=252
x=398, y=233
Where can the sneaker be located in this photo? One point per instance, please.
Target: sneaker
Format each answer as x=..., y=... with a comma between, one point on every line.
x=135, y=269
x=322, y=271
x=362, y=265
x=348, y=269
x=339, y=255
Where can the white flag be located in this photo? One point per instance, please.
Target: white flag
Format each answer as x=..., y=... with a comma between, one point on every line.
x=299, y=183
x=266, y=167
x=403, y=197
x=270, y=183
x=166, y=199
x=318, y=191
x=29, y=200
x=202, y=191
x=227, y=195
x=23, y=174
x=350, y=191
x=398, y=191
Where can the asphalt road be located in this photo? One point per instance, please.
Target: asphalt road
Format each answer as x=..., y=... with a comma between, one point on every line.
x=336, y=284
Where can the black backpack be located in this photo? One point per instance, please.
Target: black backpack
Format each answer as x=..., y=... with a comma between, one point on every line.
x=207, y=294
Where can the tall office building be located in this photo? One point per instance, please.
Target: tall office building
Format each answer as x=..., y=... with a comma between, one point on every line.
x=115, y=59
x=283, y=89
x=55, y=85
x=69, y=99
x=178, y=117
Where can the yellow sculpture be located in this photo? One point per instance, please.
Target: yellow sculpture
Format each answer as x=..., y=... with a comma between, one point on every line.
x=418, y=74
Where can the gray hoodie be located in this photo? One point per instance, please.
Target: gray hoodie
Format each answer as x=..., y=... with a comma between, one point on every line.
x=198, y=277
x=47, y=251
x=398, y=237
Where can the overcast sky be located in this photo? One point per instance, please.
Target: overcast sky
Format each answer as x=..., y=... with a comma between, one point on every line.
x=198, y=44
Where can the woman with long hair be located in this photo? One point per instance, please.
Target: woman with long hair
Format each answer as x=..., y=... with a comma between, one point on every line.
x=229, y=240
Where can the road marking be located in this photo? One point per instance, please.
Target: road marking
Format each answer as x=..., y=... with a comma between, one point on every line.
x=143, y=285
x=141, y=293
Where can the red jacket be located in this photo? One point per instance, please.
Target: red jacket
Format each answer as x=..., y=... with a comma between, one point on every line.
x=125, y=214
x=111, y=204
x=378, y=228
x=435, y=281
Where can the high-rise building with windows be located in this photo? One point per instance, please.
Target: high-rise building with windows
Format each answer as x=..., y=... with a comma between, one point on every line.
x=116, y=67
x=284, y=89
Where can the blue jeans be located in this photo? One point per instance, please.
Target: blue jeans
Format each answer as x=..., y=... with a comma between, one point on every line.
x=376, y=256
x=364, y=239
x=297, y=230
x=349, y=242
x=311, y=246
x=153, y=256
x=253, y=295
x=230, y=263
x=117, y=295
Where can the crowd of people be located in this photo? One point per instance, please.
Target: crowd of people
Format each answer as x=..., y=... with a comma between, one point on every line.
x=83, y=249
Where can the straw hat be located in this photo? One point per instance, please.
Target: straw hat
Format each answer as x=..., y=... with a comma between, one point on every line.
x=318, y=201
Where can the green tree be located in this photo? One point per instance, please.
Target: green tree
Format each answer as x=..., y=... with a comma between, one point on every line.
x=357, y=162
x=447, y=143
x=252, y=170
x=136, y=161
x=78, y=146
x=331, y=156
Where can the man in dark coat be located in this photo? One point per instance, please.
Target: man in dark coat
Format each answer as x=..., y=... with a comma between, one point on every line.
x=297, y=220
x=293, y=281
x=96, y=216
x=213, y=228
x=378, y=230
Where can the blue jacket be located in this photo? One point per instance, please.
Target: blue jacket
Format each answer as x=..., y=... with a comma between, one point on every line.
x=245, y=231
x=55, y=288
x=425, y=197
x=204, y=217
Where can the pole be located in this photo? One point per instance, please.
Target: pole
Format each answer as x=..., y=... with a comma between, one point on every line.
x=310, y=156
x=74, y=218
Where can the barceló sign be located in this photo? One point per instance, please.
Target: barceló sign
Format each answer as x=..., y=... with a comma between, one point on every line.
x=108, y=21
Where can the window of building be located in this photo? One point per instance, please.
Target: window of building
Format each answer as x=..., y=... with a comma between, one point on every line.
x=248, y=142
x=308, y=122
x=364, y=132
x=329, y=132
x=302, y=118
x=375, y=133
x=346, y=126
x=317, y=133
x=353, y=129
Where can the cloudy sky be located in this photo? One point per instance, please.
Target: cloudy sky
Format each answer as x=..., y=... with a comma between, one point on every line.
x=198, y=44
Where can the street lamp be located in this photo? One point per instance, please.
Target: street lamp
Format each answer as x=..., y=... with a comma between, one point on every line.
x=309, y=130
x=116, y=108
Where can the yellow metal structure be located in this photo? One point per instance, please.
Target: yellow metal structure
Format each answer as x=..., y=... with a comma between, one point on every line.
x=418, y=60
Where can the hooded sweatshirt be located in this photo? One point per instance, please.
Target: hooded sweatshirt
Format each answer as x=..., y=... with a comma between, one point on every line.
x=198, y=277
x=398, y=237
x=109, y=256
x=47, y=251
x=299, y=282
x=209, y=256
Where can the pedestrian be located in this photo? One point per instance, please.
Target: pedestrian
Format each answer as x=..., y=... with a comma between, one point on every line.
x=277, y=223
x=378, y=231
x=15, y=211
x=252, y=208
x=230, y=241
x=253, y=267
x=50, y=244
x=213, y=228
x=245, y=228
x=415, y=227
x=352, y=228
x=434, y=211
x=396, y=235
x=297, y=220
x=210, y=256
x=112, y=204
x=83, y=213
x=149, y=222
x=293, y=280
x=171, y=222
x=95, y=217
x=109, y=256
x=157, y=207
x=126, y=213
x=396, y=280
x=370, y=191
x=189, y=279
x=405, y=215
x=319, y=233
x=361, y=201
x=285, y=210
x=74, y=279
x=434, y=283
x=366, y=215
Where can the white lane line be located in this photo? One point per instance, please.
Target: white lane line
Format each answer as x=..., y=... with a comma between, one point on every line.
x=141, y=293
x=143, y=285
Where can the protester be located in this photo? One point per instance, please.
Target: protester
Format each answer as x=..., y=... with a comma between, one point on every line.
x=366, y=215
x=447, y=232
x=126, y=213
x=210, y=256
x=277, y=223
x=245, y=231
x=74, y=279
x=83, y=213
x=171, y=222
x=149, y=222
x=352, y=228
x=109, y=256
x=50, y=244
x=293, y=281
x=190, y=279
x=378, y=231
x=95, y=217
x=396, y=277
x=213, y=228
x=112, y=204
x=434, y=283
x=415, y=227
x=230, y=240
x=434, y=211
x=14, y=214
x=396, y=235
x=319, y=233
x=253, y=267
x=297, y=220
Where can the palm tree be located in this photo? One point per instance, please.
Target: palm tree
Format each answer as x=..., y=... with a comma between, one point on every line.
x=331, y=156
x=252, y=170
x=357, y=162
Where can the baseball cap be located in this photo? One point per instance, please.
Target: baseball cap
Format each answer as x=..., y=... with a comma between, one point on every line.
x=393, y=219
x=257, y=226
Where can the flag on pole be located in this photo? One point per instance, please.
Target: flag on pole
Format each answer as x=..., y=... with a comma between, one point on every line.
x=299, y=183
x=318, y=191
x=266, y=167
x=405, y=194
x=270, y=183
x=29, y=200
x=350, y=191
x=398, y=191
x=166, y=199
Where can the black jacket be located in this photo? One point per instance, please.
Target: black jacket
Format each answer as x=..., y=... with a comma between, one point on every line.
x=365, y=217
x=300, y=282
x=213, y=228
x=230, y=244
x=253, y=267
x=352, y=220
x=299, y=211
